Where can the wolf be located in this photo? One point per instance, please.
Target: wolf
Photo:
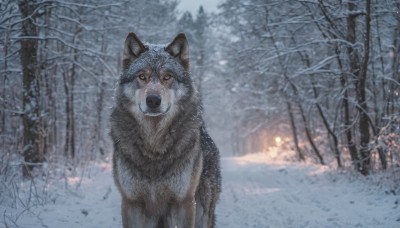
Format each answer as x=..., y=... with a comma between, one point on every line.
x=165, y=165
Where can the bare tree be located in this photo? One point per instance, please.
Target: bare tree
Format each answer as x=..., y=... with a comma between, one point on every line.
x=30, y=73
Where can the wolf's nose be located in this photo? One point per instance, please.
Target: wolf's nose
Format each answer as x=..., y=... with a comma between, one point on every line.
x=153, y=101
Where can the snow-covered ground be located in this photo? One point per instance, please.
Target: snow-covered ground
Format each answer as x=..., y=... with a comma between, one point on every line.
x=256, y=193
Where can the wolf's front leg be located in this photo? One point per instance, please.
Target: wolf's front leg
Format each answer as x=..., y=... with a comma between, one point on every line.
x=182, y=215
x=133, y=216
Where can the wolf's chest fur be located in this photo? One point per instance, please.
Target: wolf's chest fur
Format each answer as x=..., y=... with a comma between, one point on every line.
x=156, y=192
x=157, y=180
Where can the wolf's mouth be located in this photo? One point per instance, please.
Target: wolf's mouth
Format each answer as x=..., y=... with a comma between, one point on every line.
x=154, y=113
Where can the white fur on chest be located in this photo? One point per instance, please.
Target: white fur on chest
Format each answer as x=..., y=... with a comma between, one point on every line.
x=176, y=185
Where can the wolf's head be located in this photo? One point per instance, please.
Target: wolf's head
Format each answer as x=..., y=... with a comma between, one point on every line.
x=155, y=78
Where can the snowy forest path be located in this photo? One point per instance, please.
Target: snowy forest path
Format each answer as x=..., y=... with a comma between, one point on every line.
x=256, y=192
x=262, y=193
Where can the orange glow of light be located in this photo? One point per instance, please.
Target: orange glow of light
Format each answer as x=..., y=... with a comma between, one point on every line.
x=278, y=140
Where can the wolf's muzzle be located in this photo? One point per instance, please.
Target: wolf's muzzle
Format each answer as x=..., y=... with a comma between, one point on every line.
x=153, y=101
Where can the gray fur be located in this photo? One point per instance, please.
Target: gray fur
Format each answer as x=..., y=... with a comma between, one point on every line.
x=165, y=165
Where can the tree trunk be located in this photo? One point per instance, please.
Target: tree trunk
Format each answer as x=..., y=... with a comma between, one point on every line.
x=69, y=84
x=309, y=136
x=354, y=66
x=347, y=121
x=100, y=103
x=72, y=110
x=69, y=149
x=5, y=79
x=294, y=130
x=360, y=76
x=30, y=74
x=365, y=150
x=378, y=115
x=67, y=111
x=328, y=128
x=50, y=88
x=394, y=87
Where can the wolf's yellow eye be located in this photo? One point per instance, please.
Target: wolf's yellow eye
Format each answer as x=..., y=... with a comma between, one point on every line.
x=167, y=77
x=142, y=77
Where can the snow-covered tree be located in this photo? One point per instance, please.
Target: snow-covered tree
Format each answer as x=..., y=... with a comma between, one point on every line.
x=312, y=60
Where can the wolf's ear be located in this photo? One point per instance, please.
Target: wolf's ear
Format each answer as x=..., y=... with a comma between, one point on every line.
x=179, y=49
x=132, y=50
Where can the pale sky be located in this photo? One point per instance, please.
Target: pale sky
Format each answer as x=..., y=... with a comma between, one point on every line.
x=193, y=5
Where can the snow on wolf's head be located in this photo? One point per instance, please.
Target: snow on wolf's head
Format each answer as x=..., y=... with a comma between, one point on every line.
x=155, y=78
